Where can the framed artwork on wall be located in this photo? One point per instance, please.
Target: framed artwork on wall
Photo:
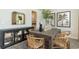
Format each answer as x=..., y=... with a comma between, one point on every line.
x=64, y=19
x=18, y=18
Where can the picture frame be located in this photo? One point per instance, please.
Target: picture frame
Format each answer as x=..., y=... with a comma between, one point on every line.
x=64, y=19
x=18, y=18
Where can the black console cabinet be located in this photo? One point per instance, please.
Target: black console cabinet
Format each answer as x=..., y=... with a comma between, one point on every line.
x=9, y=37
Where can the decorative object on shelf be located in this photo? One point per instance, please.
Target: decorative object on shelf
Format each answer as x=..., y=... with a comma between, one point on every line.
x=48, y=16
x=18, y=18
x=64, y=19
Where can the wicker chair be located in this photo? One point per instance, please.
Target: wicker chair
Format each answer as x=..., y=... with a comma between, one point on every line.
x=62, y=41
x=35, y=42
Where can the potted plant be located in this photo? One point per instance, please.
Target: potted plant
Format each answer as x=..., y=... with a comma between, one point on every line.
x=47, y=15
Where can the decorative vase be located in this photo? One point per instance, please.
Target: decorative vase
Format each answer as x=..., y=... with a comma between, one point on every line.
x=40, y=28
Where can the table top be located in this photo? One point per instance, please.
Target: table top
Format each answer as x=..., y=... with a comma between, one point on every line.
x=51, y=32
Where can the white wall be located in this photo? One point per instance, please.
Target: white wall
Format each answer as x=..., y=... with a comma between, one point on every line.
x=74, y=21
x=6, y=18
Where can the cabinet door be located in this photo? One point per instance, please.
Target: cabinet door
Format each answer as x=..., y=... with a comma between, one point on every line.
x=18, y=35
x=8, y=38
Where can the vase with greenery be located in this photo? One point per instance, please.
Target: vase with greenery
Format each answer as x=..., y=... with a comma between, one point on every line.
x=47, y=15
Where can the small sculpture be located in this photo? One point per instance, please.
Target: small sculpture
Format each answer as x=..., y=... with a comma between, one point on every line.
x=40, y=27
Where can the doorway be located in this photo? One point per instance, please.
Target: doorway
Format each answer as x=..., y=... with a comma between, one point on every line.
x=34, y=19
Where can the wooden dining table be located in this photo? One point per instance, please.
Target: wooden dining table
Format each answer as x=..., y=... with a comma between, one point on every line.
x=48, y=35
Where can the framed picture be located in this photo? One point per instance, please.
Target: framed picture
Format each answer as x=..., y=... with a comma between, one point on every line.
x=64, y=19
x=18, y=18
x=53, y=20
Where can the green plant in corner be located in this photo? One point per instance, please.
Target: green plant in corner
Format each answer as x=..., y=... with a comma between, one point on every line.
x=47, y=15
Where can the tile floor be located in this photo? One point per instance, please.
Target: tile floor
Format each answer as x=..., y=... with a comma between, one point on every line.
x=74, y=44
